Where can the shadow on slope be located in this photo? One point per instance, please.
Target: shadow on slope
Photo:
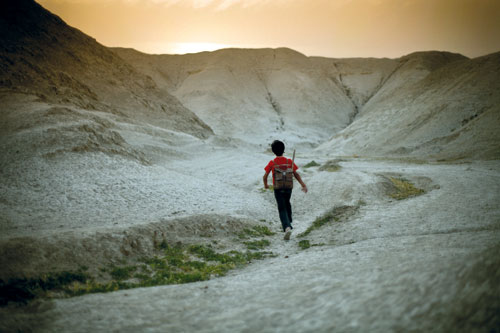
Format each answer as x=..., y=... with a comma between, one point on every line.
x=43, y=56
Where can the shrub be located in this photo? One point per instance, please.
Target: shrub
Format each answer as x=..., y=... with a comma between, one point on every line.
x=304, y=244
x=336, y=214
x=330, y=166
x=403, y=189
x=311, y=164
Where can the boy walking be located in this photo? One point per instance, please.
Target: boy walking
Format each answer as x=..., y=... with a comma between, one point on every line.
x=283, y=170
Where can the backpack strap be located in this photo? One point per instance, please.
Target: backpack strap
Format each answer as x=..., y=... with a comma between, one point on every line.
x=289, y=163
x=275, y=165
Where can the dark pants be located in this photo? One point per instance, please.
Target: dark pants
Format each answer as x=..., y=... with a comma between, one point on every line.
x=285, y=209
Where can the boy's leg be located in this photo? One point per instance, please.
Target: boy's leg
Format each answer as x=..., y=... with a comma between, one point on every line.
x=282, y=209
x=288, y=195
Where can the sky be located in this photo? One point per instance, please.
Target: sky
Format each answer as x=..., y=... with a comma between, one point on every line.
x=329, y=28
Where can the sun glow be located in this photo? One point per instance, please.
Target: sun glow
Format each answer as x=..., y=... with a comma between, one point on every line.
x=183, y=48
x=328, y=28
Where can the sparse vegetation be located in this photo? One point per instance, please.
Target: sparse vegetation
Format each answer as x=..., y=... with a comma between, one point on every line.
x=330, y=166
x=257, y=245
x=403, y=189
x=256, y=231
x=304, y=244
x=361, y=202
x=176, y=264
x=336, y=214
x=122, y=273
x=311, y=164
x=179, y=264
x=263, y=230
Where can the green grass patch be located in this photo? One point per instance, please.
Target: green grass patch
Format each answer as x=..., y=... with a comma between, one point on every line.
x=208, y=254
x=330, y=166
x=262, y=230
x=319, y=222
x=334, y=215
x=311, y=164
x=122, y=273
x=178, y=264
x=403, y=189
x=256, y=231
x=304, y=244
x=258, y=244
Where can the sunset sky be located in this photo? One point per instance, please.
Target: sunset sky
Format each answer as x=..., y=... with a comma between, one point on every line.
x=330, y=28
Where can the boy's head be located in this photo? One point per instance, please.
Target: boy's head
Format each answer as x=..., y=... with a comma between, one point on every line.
x=278, y=147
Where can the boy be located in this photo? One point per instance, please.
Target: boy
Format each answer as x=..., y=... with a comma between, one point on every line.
x=283, y=194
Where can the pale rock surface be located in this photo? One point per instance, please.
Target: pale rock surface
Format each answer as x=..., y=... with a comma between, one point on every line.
x=441, y=113
x=253, y=95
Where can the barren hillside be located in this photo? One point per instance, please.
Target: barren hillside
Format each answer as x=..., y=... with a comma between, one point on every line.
x=451, y=112
x=43, y=56
x=253, y=95
x=417, y=105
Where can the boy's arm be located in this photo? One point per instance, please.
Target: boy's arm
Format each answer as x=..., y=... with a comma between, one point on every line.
x=297, y=176
x=265, y=180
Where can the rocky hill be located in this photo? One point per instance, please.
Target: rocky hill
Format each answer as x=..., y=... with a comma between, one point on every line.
x=254, y=95
x=430, y=108
x=426, y=105
x=419, y=105
x=42, y=56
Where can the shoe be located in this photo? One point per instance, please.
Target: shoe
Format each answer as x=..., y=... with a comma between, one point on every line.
x=288, y=232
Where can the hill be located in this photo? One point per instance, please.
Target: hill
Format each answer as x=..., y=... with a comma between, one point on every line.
x=420, y=105
x=254, y=95
x=449, y=111
x=42, y=56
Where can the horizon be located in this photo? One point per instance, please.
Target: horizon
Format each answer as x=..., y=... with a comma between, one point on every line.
x=308, y=56
x=321, y=28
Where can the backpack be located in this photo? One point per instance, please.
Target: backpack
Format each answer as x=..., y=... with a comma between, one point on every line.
x=283, y=175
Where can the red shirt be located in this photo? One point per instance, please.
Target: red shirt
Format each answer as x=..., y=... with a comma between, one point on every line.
x=278, y=161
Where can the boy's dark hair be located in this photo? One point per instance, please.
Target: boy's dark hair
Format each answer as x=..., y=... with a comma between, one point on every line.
x=278, y=147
